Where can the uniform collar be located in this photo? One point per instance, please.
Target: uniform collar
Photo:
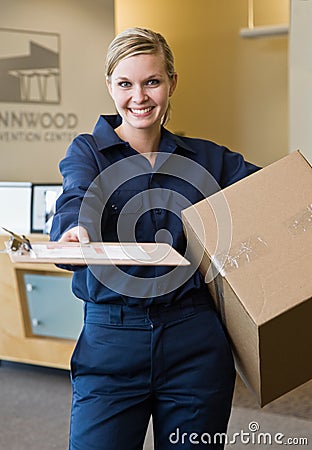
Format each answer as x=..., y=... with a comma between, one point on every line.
x=105, y=136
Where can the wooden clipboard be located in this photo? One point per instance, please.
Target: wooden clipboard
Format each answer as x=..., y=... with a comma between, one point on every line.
x=100, y=253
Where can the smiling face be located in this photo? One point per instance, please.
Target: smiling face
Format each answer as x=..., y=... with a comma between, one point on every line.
x=140, y=88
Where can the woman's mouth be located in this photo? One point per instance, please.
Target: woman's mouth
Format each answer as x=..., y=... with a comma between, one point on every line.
x=141, y=111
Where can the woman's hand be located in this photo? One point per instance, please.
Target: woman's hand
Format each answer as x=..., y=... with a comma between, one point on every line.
x=76, y=234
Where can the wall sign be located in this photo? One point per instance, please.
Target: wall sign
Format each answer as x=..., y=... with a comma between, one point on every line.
x=30, y=69
x=30, y=73
x=52, y=83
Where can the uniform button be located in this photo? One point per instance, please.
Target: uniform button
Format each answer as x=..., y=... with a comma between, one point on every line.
x=158, y=211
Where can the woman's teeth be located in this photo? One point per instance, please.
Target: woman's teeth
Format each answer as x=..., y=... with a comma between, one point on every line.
x=141, y=111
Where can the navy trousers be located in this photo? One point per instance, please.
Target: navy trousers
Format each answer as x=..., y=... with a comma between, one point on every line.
x=173, y=363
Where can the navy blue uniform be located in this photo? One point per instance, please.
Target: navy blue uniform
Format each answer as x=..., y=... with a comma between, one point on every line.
x=152, y=342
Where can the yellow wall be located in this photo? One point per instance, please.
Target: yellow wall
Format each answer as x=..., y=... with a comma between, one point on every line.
x=231, y=90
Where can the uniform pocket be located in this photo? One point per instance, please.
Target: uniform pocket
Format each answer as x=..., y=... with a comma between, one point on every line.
x=124, y=209
x=108, y=350
x=75, y=354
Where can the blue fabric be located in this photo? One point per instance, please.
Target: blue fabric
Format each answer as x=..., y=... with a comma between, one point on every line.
x=173, y=362
x=128, y=199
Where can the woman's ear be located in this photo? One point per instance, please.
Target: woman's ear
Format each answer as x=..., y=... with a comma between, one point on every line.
x=109, y=86
x=173, y=84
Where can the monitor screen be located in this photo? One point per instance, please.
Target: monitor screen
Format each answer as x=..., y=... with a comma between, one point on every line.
x=44, y=197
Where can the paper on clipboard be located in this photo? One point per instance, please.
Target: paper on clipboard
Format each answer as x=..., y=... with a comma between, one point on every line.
x=101, y=253
x=90, y=251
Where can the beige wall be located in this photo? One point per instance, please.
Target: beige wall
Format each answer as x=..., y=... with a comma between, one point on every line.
x=300, y=78
x=231, y=90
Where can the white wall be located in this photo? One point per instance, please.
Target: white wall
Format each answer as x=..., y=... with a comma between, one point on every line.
x=31, y=152
x=300, y=78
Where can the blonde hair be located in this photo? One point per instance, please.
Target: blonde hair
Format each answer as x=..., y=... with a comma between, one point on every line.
x=137, y=41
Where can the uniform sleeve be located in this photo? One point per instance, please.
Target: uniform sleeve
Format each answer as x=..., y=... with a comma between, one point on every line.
x=79, y=170
x=235, y=168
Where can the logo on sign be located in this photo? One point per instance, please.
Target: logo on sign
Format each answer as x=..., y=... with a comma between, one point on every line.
x=29, y=67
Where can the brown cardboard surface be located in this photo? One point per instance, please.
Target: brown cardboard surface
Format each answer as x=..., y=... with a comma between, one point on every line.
x=264, y=288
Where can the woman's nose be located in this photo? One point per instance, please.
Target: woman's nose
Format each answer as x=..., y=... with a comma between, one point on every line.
x=139, y=94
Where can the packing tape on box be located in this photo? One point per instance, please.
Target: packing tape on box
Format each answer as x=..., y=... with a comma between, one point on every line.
x=302, y=222
x=248, y=250
x=255, y=246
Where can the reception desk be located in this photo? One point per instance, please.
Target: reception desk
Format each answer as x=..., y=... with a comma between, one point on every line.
x=40, y=318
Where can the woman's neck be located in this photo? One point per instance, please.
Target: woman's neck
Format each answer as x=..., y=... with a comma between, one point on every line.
x=141, y=140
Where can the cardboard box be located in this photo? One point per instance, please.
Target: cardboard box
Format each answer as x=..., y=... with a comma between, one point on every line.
x=258, y=235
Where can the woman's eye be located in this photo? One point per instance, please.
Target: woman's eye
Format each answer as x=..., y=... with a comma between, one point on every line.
x=124, y=84
x=153, y=82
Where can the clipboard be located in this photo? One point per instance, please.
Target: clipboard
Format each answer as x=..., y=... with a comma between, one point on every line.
x=98, y=253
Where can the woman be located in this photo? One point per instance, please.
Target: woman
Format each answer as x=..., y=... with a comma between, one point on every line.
x=152, y=344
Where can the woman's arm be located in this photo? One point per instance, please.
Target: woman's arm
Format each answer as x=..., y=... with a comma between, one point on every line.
x=79, y=169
